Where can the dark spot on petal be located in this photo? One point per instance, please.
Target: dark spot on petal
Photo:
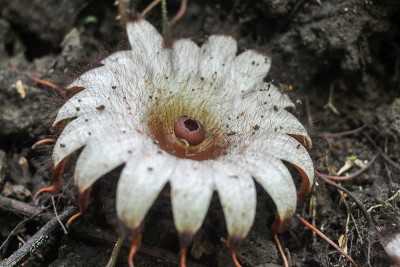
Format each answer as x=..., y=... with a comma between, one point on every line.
x=150, y=169
x=101, y=108
x=77, y=108
x=202, y=78
x=129, y=151
x=86, y=120
x=113, y=87
x=298, y=146
x=89, y=133
x=256, y=127
x=62, y=145
x=275, y=108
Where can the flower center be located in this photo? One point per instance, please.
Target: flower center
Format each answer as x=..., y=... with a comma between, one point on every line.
x=189, y=130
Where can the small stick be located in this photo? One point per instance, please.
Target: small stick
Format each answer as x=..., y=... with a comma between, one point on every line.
x=115, y=252
x=36, y=241
x=323, y=236
x=22, y=208
x=57, y=217
x=345, y=133
x=359, y=203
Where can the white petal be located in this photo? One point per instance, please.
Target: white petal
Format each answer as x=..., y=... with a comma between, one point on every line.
x=77, y=132
x=146, y=41
x=87, y=103
x=250, y=117
x=100, y=156
x=249, y=69
x=286, y=148
x=191, y=192
x=217, y=55
x=237, y=194
x=141, y=181
x=185, y=60
x=97, y=78
x=267, y=96
x=275, y=178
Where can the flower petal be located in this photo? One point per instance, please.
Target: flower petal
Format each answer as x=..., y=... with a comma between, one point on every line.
x=267, y=96
x=237, y=194
x=275, y=178
x=185, y=60
x=77, y=132
x=146, y=41
x=286, y=148
x=249, y=69
x=217, y=56
x=88, y=103
x=191, y=192
x=141, y=181
x=101, y=155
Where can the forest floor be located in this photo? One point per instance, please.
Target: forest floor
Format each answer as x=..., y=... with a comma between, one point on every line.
x=338, y=59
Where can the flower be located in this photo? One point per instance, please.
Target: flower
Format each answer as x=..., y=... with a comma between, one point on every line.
x=199, y=118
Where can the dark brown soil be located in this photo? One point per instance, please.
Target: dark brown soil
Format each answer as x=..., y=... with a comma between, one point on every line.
x=342, y=52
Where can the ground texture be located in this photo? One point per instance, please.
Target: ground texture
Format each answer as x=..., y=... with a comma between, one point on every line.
x=339, y=58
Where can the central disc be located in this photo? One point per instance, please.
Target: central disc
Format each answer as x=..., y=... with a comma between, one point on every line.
x=189, y=130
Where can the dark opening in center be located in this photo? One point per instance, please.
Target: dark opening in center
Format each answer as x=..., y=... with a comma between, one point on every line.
x=191, y=125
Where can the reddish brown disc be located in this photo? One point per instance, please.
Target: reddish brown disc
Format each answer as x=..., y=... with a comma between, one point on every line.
x=189, y=130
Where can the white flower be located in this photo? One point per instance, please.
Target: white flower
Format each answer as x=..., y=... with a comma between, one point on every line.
x=199, y=118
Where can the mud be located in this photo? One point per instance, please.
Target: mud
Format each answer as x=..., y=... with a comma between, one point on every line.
x=345, y=53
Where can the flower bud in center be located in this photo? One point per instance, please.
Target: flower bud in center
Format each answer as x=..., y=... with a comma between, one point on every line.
x=189, y=130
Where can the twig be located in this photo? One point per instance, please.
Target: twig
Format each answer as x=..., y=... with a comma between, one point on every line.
x=359, y=203
x=354, y=175
x=114, y=255
x=22, y=208
x=37, y=240
x=323, y=236
x=345, y=133
x=16, y=228
x=57, y=217
x=391, y=162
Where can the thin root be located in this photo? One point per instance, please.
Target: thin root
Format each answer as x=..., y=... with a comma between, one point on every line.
x=59, y=90
x=233, y=254
x=149, y=8
x=183, y=256
x=323, y=236
x=278, y=244
x=73, y=218
x=181, y=12
x=134, y=247
x=43, y=141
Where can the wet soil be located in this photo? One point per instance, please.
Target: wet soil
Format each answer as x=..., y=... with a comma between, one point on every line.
x=339, y=60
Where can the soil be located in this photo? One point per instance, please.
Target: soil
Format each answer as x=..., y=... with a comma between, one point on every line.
x=338, y=59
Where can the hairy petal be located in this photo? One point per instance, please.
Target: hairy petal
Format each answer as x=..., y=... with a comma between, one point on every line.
x=237, y=194
x=101, y=155
x=249, y=69
x=217, y=56
x=191, y=192
x=276, y=180
x=141, y=181
x=185, y=70
x=286, y=148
